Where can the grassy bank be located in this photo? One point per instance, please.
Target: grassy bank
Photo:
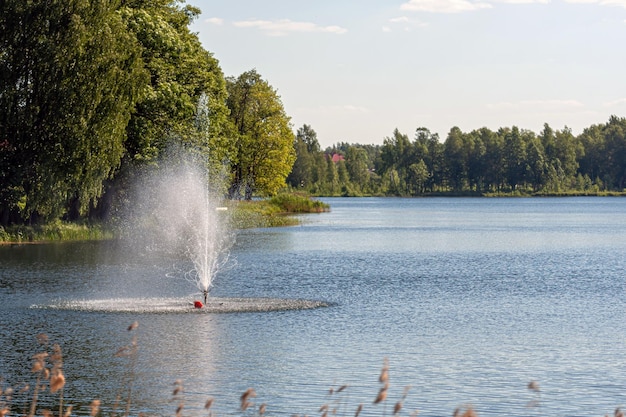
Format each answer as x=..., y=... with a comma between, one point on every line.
x=57, y=231
x=273, y=212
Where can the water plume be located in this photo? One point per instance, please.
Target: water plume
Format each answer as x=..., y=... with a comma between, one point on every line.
x=177, y=209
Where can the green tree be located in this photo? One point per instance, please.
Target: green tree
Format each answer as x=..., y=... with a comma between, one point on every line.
x=70, y=74
x=331, y=178
x=514, y=156
x=593, y=142
x=305, y=171
x=395, y=153
x=264, y=153
x=419, y=176
x=536, y=164
x=186, y=85
x=429, y=149
x=357, y=164
x=615, y=147
x=456, y=157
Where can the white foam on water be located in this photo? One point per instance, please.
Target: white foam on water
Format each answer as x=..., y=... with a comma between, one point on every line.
x=182, y=305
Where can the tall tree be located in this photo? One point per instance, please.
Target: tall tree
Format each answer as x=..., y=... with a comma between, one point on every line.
x=307, y=148
x=70, y=74
x=456, y=156
x=357, y=163
x=514, y=156
x=264, y=153
x=186, y=85
x=395, y=152
x=429, y=149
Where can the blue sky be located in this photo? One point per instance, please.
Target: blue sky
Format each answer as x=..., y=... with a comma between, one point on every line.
x=356, y=70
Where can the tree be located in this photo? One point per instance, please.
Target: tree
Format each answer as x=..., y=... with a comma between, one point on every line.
x=455, y=153
x=305, y=170
x=429, y=149
x=615, y=147
x=419, y=176
x=394, y=154
x=514, y=156
x=185, y=81
x=264, y=153
x=357, y=165
x=70, y=74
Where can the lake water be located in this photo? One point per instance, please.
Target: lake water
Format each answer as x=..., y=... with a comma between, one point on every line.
x=468, y=299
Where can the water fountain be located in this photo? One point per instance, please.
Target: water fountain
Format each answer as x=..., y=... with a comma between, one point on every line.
x=195, y=224
x=175, y=215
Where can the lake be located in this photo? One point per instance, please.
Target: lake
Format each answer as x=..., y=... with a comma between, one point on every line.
x=469, y=300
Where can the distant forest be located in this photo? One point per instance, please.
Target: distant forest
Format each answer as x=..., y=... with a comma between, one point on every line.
x=509, y=161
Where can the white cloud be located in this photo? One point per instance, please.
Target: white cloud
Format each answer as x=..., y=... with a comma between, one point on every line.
x=618, y=102
x=457, y=6
x=338, y=109
x=522, y=1
x=285, y=26
x=618, y=3
x=548, y=105
x=215, y=21
x=444, y=6
x=407, y=24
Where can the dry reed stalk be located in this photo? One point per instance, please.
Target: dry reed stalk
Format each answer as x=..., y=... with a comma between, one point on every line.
x=358, y=410
x=39, y=367
x=382, y=395
x=249, y=393
x=384, y=373
x=208, y=403
x=534, y=387
x=177, y=395
x=397, y=408
x=617, y=413
x=94, y=407
x=468, y=412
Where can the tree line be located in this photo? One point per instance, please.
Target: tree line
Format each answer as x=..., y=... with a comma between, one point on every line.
x=94, y=92
x=510, y=161
x=91, y=92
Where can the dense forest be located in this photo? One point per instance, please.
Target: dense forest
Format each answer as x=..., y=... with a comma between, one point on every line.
x=91, y=92
x=94, y=92
x=509, y=161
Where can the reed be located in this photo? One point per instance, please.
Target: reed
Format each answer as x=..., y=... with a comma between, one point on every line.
x=50, y=381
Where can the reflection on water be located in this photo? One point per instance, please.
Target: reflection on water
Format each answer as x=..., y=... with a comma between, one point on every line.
x=469, y=299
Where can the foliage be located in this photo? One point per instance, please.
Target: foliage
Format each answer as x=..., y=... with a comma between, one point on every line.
x=264, y=153
x=248, y=214
x=92, y=92
x=70, y=74
x=185, y=98
x=509, y=161
x=54, y=231
x=298, y=203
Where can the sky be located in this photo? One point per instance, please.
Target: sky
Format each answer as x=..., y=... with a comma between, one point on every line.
x=355, y=70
